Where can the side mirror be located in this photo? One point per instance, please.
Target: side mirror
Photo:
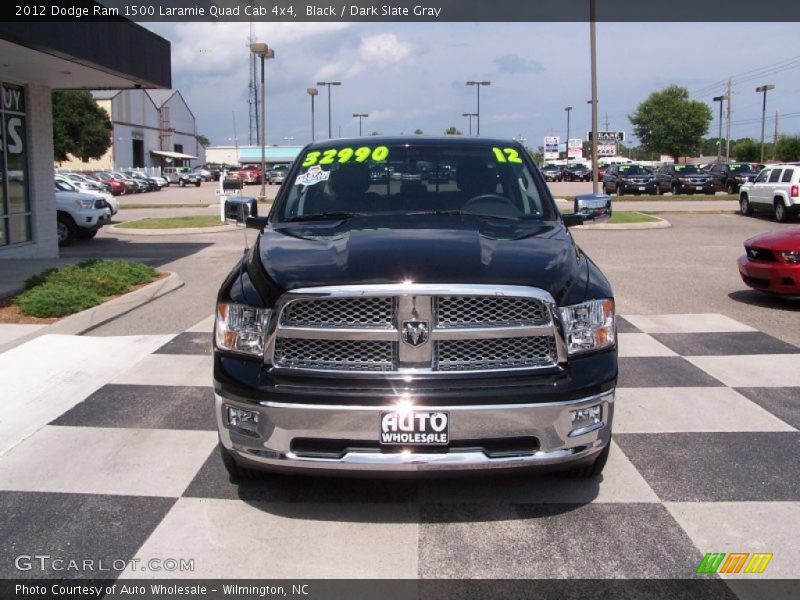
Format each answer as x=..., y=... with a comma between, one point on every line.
x=239, y=209
x=572, y=220
x=593, y=207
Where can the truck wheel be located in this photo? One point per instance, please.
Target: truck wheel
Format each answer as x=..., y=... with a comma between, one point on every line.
x=781, y=214
x=182, y=183
x=87, y=234
x=675, y=189
x=731, y=188
x=66, y=229
x=594, y=469
x=620, y=190
x=196, y=184
x=605, y=189
x=744, y=206
x=236, y=471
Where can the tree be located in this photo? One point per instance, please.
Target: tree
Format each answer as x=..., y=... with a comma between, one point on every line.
x=203, y=140
x=418, y=132
x=747, y=150
x=667, y=122
x=788, y=149
x=452, y=131
x=80, y=126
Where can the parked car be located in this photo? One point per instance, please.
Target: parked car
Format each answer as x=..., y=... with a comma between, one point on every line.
x=729, y=177
x=277, y=173
x=601, y=172
x=79, y=216
x=776, y=190
x=680, y=179
x=204, y=173
x=132, y=185
x=250, y=174
x=150, y=182
x=85, y=182
x=552, y=172
x=468, y=333
x=183, y=176
x=64, y=184
x=771, y=262
x=577, y=172
x=117, y=188
x=629, y=178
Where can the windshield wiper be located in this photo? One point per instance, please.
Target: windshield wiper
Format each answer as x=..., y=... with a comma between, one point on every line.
x=462, y=213
x=328, y=216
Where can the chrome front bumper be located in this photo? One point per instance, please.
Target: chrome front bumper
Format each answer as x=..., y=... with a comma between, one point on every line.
x=280, y=424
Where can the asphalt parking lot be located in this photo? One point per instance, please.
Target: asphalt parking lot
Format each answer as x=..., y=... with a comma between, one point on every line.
x=124, y=463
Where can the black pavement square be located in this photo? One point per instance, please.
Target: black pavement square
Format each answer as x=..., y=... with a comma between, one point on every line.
x=662, y=371
x=553, y=541
x=145, y=407
x=783, y=402
x=624, y=326
x=187, y=343
x=74, y=526
x=212, y=481
x=724, y=344
x=711, y=467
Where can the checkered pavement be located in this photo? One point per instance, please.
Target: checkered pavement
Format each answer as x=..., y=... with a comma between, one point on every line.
x=109, y=452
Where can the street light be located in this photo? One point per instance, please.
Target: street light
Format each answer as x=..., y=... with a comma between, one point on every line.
x=593, y=60
x=568, y=109
x=478, y=85
x=312, y=92
x=764, y=89
x=261, y=50
x=328, y=84
x=470, y=115
x=360, y=116
x=721, y=99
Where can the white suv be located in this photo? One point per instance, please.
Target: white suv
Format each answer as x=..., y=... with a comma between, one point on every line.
x=775, y=190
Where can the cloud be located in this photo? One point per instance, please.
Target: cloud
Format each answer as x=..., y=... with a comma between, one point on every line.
x=514, y=64
x=384, y=49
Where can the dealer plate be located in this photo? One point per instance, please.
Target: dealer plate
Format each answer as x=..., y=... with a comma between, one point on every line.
x=415, y=427
x=699, y=188
x=642, y=188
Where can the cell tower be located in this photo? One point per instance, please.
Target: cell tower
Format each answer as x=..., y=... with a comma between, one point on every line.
x=252, y=94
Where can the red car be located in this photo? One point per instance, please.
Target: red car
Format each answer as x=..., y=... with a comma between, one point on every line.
x=771, y=262
x=117, y=187
x=250, y=175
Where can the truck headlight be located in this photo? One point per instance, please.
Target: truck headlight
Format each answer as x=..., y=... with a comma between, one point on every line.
x=242, y=328
x=84, y=204
x=588, y=326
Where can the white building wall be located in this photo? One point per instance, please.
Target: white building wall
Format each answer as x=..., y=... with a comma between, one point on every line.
x=39, y=119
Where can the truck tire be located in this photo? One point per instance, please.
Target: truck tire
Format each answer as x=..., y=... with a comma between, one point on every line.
x=781, y=214
x=87, y=234
x=182, y=182
x=744, y=206
x=234, y=469
x=196, y=184
x=66, y=229
x=594, y=469
x=730, y=188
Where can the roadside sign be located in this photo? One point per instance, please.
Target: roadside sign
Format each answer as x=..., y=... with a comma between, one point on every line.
x=606, y=149
x=575, y=148
x=607, y=137
x=551, y=147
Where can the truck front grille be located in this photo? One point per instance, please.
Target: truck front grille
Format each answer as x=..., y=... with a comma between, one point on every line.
x=416, y=327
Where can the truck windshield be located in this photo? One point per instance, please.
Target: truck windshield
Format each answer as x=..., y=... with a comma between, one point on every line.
x=374, y=178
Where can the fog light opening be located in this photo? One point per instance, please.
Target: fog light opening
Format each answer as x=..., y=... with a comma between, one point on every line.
x=245, y=421
x=586, y=420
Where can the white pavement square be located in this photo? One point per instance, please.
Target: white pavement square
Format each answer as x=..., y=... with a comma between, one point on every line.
x=204, y=326
x=11, y=331
x=641, y=344
x=47, y=376
x=258, y=540
x=672, y=410
x=752, y=370
x=686, y=323
x=772, y=527
x=98, y=460
x=169, y=369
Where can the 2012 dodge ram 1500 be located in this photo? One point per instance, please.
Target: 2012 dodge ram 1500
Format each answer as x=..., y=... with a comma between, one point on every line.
x=407, y=323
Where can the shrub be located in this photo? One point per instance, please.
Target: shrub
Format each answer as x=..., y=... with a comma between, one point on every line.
x=54, y=300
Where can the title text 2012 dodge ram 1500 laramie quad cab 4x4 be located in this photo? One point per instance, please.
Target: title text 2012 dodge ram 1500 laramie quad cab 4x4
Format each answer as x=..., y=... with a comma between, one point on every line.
x=400, y=325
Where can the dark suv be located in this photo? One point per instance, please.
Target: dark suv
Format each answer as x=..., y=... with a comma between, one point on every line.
x=729, y=177
x=552, y=172
x=409, y=326
x=680, y=179
x=629, y=179
x=577, y=172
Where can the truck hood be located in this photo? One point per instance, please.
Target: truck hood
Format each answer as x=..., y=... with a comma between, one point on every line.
x=426, y=250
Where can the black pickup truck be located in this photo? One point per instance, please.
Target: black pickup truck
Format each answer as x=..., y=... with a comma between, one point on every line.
x=399, y=325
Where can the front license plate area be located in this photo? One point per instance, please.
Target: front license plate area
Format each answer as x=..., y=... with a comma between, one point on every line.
x=414, y=428
x=642, y=188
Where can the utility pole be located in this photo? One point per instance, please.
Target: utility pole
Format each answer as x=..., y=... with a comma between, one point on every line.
x=775, y=138
x=593, y=52
x=719, y=99
x=759, y=90
x=728, y=127
x=607, y=123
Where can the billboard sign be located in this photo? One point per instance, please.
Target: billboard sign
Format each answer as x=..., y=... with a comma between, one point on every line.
x=607, y=137
x=551, y=147
x=575, y=148
x=606, y=149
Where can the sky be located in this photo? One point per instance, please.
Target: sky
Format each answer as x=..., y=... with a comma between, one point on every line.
x=412, y=75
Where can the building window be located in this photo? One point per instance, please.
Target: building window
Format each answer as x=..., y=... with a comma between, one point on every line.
x=15, y=205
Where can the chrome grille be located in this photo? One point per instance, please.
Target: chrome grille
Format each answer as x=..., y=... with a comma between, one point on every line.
x=334, y=355
x=340, y=312
x=488, y=311
x=494, y=353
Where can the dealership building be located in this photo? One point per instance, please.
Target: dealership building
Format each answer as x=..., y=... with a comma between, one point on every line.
x=35, y=59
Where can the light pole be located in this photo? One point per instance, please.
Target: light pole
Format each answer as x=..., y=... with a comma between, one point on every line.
x=568, y=109
x=720, y=99
x=263, y=51
x=312, y=92
x=764, y=89
x=360, y=116
x=328, y=84
x=593, y=45
x=478, y=85
x=470, y=115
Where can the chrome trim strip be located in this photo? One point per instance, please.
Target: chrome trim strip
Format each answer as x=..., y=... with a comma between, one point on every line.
x=330, y=333
x=479, y=333
x=448, y=458
x=585, y=430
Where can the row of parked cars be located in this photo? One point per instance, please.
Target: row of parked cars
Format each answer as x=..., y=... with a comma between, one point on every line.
x=115, y=183
x=251, y=174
